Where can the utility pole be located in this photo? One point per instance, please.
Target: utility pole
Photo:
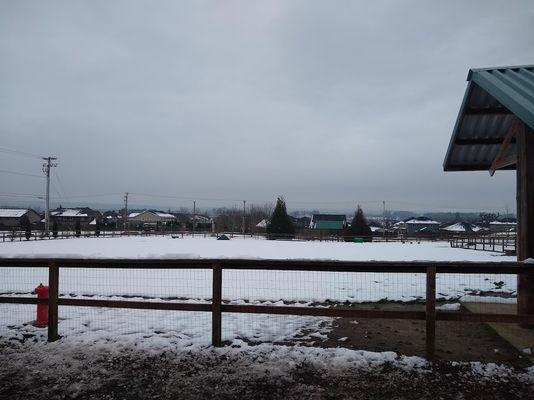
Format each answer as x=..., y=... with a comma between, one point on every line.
x=46, y=169
x=384, y=219
x=244, y=214
x=125, y=217
x=194, y=216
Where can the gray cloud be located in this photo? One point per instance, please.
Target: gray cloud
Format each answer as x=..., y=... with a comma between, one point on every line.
x=319, y=101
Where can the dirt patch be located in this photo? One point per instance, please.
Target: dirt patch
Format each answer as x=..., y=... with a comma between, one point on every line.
x=61, y=372
x=455, y=341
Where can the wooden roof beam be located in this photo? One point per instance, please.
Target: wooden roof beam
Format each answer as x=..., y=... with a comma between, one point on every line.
x=501, y=160
x=487, y=111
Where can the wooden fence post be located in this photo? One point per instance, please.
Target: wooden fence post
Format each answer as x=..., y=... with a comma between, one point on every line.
x=53, y=295
x=430, y=312
x=216, y=306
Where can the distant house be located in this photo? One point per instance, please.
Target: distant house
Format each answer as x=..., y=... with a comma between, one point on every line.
x=461, y=227
x=330, y=222
x=421, y=225
x=503, y=225
x=377, y=227
x=110, y=218
x=149, y=218
x=202, y=222
x=399, y=227
x=300, y=222
x=11, y=217
x=262, y=225
x=67, y=217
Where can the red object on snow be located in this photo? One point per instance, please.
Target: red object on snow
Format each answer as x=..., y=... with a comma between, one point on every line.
x=42, y=309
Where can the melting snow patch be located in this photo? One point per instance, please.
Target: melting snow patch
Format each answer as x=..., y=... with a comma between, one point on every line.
x=449, y=307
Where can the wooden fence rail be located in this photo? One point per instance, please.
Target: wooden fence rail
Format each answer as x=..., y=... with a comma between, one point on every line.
x=217, y=307
x=504, y=244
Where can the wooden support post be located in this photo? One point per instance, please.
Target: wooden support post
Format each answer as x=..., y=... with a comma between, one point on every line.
x=525, y=216
x=216, y=306
x=53, y=295
x=430, y=312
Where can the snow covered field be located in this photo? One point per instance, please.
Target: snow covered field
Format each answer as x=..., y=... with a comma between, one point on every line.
x=167, y=247
x=267, y=287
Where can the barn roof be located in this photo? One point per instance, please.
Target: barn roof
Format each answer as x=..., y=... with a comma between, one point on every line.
x=492, y=98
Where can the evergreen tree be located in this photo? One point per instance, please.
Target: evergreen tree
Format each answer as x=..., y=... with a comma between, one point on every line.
x=54, y=228
x=97, y=227
x=27, y=226
x=358, y=227
x=78, y=228
x=280, y=224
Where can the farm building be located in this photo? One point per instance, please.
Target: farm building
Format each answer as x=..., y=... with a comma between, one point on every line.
x=504, y=225
x=328, y=222
x=11, y=217
x=461, y=227
x=421, y=225
x=149, y=218
x=495, y=130
x=67, y=217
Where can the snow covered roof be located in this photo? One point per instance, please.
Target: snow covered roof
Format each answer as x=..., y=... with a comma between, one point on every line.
x=12, y=212
x=503, y=223
x=262, y=224
x=164, y=215
x=462, y=227
x=201, y=218
x=93, y=222
x=159, y=214
x=423, y=221
x=69, y=212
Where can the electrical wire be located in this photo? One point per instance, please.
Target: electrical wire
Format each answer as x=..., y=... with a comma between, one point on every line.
x=89, y=196
x=62, y=189
x=20, y=153
x=20, y=173
x=7, y=194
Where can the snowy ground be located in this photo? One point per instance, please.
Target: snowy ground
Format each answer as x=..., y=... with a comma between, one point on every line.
x=167, y=247
x=59, y=370
x=164, y=328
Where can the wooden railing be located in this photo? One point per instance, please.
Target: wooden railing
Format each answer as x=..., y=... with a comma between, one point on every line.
x=218, y=307
x=500, y=244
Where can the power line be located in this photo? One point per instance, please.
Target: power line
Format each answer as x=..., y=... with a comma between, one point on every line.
x=55, y=190
x=19, y=153
x=62, y=189
x=20, y=173
x=84, y=196
x=8, y=194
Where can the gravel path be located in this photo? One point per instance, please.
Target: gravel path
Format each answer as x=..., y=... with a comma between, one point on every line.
x=74, y=371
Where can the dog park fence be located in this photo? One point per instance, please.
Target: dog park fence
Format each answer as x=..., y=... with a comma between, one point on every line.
x=400, y=273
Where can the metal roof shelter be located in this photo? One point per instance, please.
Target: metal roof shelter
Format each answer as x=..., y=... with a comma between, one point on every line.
x=328, y=221
x=495, y=130
x=494, y=98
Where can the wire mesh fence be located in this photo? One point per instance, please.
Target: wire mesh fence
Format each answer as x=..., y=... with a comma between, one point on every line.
x=366, y=305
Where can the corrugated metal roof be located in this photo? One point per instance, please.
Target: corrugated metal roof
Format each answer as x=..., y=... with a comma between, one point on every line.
x=333, y=225
x=492, y=98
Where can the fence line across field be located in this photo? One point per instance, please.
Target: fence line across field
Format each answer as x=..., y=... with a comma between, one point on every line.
x=486, y=243
x=217, y=306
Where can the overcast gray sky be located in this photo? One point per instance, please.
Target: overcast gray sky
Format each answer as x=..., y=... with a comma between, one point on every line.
x=326, y=103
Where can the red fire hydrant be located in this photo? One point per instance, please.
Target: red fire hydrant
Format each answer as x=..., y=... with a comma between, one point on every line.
x=42, y=309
